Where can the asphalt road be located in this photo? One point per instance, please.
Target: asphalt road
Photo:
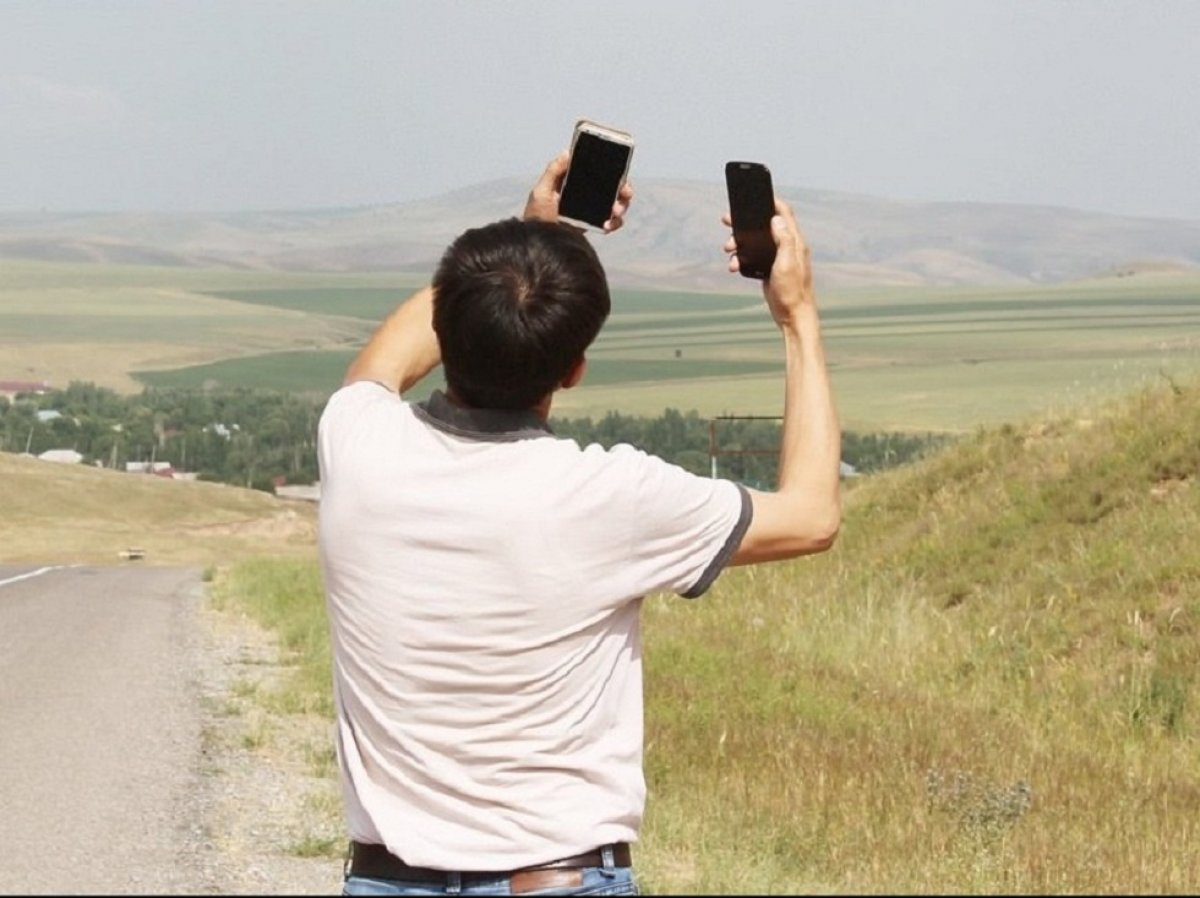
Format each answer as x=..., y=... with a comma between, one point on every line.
x=100, y=730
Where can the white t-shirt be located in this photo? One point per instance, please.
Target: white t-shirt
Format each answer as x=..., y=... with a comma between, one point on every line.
x=483, y=582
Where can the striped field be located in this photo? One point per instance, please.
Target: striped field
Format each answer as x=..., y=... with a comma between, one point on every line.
x=927, y=359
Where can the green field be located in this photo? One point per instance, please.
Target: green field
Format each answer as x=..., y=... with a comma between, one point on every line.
x=917, y=359
x=902, y=359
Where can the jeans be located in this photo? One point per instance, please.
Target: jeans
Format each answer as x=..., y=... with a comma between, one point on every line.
x=596, y=881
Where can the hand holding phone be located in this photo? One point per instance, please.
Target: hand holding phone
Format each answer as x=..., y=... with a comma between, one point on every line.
x=751, y=205
x=599, y=164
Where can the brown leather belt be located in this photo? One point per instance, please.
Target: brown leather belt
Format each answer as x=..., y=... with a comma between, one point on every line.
x=376, y=862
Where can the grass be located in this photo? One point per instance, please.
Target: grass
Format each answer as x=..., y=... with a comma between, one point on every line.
x=322, y=371
x=70, y=514
x=365, y=302
x=308, y=371
x=372, y=303
x=990, y=685
x=285, y=598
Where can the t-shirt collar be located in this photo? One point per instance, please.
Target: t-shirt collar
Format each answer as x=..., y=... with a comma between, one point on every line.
x=481, y=423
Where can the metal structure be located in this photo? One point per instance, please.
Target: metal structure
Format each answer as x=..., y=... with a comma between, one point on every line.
x=713, y=449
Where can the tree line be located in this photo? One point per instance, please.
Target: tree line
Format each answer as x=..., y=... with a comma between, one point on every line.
x=260, y=438
x=745, y=449
x=246, y=437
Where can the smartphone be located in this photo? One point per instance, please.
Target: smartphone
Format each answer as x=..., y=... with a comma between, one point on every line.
x=599, y=164
x=751, y=205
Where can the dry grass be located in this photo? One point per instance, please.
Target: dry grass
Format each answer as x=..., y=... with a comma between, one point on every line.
x=69, y=514
x=989, y=686
x=105, y=364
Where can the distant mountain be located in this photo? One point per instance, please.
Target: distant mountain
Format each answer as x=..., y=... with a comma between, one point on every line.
x=672, y=238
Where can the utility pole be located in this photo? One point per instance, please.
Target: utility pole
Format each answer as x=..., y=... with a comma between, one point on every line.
x=712, y=445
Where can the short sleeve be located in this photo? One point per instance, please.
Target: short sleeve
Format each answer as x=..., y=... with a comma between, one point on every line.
x=344, y=414
x=686, y=527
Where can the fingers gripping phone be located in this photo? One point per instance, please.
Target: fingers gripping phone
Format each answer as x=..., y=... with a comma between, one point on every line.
x=751, y=205
x=599, y=164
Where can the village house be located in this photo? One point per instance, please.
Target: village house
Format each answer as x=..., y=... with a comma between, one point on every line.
x=11, y=388
x=63, y=456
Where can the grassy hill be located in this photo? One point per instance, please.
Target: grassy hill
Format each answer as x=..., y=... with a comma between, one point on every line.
x=990, y=685
x=69, y=514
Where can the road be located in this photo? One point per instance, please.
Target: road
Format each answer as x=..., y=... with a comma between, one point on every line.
x=101, y=728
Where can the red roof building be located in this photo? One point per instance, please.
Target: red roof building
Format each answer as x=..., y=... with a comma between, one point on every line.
x=13, y=387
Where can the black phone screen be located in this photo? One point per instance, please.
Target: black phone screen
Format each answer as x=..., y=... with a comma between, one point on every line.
x=593, y=179
x=751, y=205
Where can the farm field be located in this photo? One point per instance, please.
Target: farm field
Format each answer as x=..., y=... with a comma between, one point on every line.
x=905, y=359
x=61, y=322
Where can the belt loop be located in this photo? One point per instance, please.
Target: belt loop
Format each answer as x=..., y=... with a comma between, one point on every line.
x=453, y=882
x=348, y=859
x=606, y=857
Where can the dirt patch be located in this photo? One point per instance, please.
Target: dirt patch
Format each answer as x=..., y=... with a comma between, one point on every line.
x=287, y=525
x=272, y=815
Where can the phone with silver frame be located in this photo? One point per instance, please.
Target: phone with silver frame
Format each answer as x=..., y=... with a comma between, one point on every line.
x=599, y=165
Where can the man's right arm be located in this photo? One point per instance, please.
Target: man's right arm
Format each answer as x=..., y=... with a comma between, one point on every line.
x=803, y=514
x=403, y=348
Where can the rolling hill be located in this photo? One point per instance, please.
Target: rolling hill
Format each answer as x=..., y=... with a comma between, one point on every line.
x=672, y=239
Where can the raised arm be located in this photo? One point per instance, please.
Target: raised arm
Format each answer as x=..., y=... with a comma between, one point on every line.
x=803, y=514
x=403, y=349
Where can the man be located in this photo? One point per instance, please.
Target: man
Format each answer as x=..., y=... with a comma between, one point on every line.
x=484, y=578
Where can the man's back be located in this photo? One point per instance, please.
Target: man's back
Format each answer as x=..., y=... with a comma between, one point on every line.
x=484, y=580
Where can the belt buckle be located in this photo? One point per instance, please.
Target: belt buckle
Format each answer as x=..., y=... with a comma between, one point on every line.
x=526, y=881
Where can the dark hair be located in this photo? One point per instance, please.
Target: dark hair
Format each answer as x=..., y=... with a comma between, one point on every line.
x=516, y=304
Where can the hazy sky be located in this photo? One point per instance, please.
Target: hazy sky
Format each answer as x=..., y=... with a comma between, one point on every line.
x=217, y=104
